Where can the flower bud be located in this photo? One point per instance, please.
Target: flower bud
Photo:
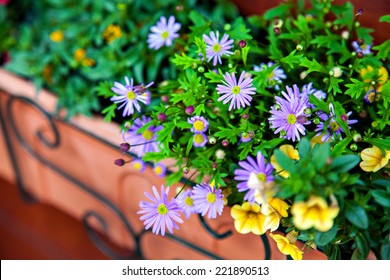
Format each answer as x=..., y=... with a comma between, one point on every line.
x=124, y=147
x=242, y=44
x=200, y=69
x=227, y=27
x=360, y=41
x=337, y=72
x=359, y=54
x=299, y=47
x=225, y=143
x=245, y=116
x=189, y=110
x=214, y=165
x=119, y=162
x=162, y=117
x=353, y=147
x=277, y=30
x=212, y=140
x=357, y=137
x=186, y=170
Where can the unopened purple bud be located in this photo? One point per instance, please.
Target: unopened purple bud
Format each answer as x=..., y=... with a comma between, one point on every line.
x=251, y=134
x=162, y=117
x=242, y=44
x=301, y=119
x=186, y=170
x=124, y=147
x=245, y=116
x=344, y=118
x=214, y=165
x=189, y=110
x=164, y=98
x=360, y=41
x=225, y=143
x=359, y=54
x=359, y=12
x=277, y=30
x=119, y=162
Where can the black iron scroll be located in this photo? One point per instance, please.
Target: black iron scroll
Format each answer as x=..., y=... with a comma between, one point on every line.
x=10, y=131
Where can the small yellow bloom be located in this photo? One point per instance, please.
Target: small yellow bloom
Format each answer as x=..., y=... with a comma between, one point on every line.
x=373, y=159
x=79, y=54
x=286, y=247
x=314, y=213
x=88, y=62
x=291, y=153
x=112, y=33
x=57, y=36
x=274, y=210
x=248, y=218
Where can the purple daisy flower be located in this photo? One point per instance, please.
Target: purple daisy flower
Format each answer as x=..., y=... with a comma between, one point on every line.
x=160, y=212
x=371, y=96
x=208, y=199
x=128, y=96
x=238, y=93
x=332, y=130
x=262, y=171
x=160, y=170
x=246, y=137
x=163, y=33
x=275, y=77
x=215, y=48
x=186, y=203
x=199, y=124
x=144, y=142
x=200, y=140
x=308, y=89
x=139, y=164
x=365, y=49
x=288, y=114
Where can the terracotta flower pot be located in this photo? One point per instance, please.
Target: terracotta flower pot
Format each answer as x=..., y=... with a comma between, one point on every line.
x=70, y=165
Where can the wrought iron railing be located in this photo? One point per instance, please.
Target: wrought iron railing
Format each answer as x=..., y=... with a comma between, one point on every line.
x=11, y=131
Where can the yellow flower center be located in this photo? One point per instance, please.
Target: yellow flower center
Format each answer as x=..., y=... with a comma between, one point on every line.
x=236, y=90
x=165, y=35
x=291, y=119
x=162, y=209
x=211, y=197
x=57, y=36
x=198, y=125
x=271, y=75
x=189, y=201
x=334, y=126
x=112, y=32
x=131, y=95
x=216, y=48
x=79, y=55
x=198, y=138
x=137, y=166
x=147, y=134
x=158, y=170
x=262, y=177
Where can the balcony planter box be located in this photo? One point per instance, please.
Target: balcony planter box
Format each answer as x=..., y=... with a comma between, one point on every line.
x=69, y=164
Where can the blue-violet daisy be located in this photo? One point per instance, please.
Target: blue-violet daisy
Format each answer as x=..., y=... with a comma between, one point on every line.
x=208, y=200
x=186, y=203
x=260, y=168
x=160, y=212
x=288, y=115
x=160, y=170
x=365, y=49
x=215, y=48
x=199, y=124
x=129, y=98
x=163, y=33
x=238, y=93
x=200, y=139
x=275, y=77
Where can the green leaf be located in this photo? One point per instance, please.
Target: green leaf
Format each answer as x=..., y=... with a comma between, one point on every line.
x=244, y=54
x=304, y=148
x=381, y=143
x=356, y=89
x=385, y=251
x=174, y=177
x=344, y=163
x=385, y=18
x=334, y=85
x=246, y=148
x=292, y=59
x=362, y=247
x=213, y=77
x=383, y=50
x=278, y=11
x=320, y=155
x=340, y=147
x=312, y=66
x=285, y=162
x=324, y=238
x=356, y=214
x=185, y=61
x=382, y=197
x=109, y=112
x=239, y=30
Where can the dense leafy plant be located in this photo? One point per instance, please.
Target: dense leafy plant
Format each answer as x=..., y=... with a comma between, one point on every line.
x=300, y=87
x=70, y=46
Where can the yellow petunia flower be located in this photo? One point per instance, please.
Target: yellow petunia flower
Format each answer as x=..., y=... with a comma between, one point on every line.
x=373, y=159
x=112, y=33
x=314, y=213
x=274, y=210
x=291, y=152
x=287, y=247
x=248, y=218
x=57, y=36
x=367, y=75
